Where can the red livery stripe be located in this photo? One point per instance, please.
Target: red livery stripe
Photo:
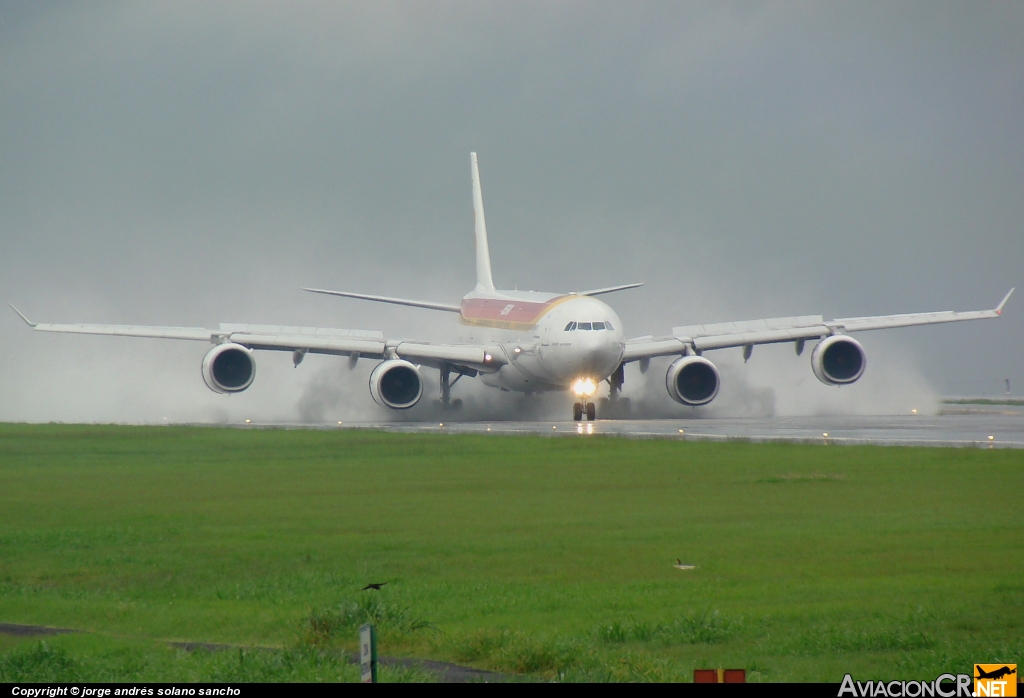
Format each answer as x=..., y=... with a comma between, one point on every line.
x=506, y=314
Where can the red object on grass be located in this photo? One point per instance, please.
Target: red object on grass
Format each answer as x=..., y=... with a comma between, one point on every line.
x=719, y=675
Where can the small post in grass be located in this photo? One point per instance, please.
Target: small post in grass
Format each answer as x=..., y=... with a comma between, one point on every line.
x=368, y=653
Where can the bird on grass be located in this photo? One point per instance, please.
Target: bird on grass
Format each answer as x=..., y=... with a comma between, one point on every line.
x=373, y=585
x=680, y=566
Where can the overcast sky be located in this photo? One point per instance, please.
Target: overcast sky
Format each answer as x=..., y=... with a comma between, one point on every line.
x=187, y=164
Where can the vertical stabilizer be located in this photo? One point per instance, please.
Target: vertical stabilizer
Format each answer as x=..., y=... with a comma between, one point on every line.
x=483, y=255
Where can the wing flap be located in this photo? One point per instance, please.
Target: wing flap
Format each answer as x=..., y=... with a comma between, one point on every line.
x=740, y=339
x=441, y=352
x=311, y=343
x=646, y=348
x=484, y=358
x=724, y=328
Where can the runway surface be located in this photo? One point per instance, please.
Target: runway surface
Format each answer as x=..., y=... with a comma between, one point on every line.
x=996, y=427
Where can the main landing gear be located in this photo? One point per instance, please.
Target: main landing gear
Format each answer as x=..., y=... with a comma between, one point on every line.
x=581, y=408
x=446, y=401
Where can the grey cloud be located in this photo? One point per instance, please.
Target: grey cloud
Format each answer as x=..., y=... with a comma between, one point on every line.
x=184, y=163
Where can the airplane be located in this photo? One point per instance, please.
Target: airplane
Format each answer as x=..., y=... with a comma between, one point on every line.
x=529, y=342
x=995, y=673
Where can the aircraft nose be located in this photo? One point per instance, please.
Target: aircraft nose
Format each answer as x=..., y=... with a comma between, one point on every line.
x=599, y=356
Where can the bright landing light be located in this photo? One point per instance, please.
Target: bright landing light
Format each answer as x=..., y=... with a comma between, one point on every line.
x=584, y=387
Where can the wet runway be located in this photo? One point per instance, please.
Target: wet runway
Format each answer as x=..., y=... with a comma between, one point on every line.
x=1001, y=427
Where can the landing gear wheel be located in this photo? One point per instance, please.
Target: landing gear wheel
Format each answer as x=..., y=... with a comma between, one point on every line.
x=577, y=411
x=591, y=411
x=457, y=404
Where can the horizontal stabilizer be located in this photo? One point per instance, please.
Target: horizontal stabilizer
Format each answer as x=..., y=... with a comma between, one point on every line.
x=608, y=289
x=387, y=299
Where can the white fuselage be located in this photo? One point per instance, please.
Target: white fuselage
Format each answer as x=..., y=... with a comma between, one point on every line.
x=554, y=349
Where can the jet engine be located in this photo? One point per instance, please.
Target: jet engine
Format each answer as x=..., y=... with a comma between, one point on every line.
x=838, y=360
x=692, y=380
x=229, y=368
x=396, y=384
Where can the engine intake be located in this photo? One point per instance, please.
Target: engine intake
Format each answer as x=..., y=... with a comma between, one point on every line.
x=229, y=368
x=396, y=384
x=838, y=360
x=692, y=380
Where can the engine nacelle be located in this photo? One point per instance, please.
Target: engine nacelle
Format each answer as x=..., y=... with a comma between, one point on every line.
x=692, y=380
x=229, y=368
x=396, y=384
x=838, y=360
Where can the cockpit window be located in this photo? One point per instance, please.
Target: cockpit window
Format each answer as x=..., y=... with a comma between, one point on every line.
x=588, y=326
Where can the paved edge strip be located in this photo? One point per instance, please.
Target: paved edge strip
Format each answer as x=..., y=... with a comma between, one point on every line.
x=446, y=672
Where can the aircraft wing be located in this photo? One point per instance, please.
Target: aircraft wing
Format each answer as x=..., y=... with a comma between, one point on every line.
x=785, y=329
x=314, y=340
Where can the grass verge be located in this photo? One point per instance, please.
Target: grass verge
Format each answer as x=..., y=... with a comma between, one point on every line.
x=546, y=557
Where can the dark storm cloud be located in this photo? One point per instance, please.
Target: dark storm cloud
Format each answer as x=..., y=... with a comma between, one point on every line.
x=195, y=163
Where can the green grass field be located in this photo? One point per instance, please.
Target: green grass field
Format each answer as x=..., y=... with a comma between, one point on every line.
x=548, y=557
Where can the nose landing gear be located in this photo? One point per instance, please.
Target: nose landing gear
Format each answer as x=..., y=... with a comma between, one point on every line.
x=580, y=408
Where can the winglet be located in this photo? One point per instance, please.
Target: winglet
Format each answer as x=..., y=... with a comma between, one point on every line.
x=22, y=315
x=998, y=308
